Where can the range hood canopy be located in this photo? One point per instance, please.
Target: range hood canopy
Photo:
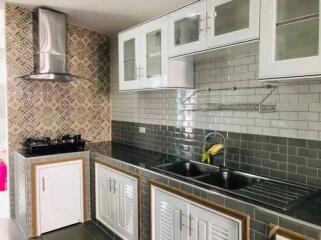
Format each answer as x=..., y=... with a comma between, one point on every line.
x=50, y=46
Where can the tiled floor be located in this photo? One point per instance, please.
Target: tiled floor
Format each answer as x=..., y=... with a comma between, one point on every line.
x=87, y=231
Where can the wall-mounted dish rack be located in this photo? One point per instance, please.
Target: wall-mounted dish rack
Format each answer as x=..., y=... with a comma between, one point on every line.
x=205, y=100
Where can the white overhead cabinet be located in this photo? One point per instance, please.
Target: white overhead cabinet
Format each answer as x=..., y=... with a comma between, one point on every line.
x=187, y=29
x=117, y=201
x=59, y=194
x=129, y=60
x=178, y=218
x=144, y=63
x=154, y=53
x=232, y=21
x=290, y=39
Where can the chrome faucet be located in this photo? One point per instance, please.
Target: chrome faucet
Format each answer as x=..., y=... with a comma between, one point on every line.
x=223, y=140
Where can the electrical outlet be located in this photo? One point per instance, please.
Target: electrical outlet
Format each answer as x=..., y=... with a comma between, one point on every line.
x=142, y=130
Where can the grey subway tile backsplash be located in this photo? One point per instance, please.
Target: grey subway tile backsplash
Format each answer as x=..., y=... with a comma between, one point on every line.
x=296, y=160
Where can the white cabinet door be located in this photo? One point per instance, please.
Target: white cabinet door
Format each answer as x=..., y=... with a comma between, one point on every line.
x=290, y=39
x=205, y=224
x=187, y=31
x=117, y=201
x=105, y=201
x=129, y=60
x=169, y=216
x=232, y=21
x=154, y=53
x=126, y=206
x=60, y=195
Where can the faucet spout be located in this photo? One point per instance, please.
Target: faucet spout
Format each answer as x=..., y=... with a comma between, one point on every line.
x=206, y=154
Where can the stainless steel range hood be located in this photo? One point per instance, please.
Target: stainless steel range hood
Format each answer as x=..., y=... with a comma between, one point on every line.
x=50, y=46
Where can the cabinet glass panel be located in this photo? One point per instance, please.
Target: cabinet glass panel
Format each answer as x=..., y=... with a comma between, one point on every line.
x=129, y=60
x=291, y=9
x=187, y=30
x=153, y=54
x=232, y=16
x=297, y=29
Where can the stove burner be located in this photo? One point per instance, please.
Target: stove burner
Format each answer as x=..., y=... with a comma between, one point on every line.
x=67, y=143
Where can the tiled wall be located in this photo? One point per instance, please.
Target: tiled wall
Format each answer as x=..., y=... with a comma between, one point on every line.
x=297, y=160
x=284, y=144
x=49, y=108
x=298, y=105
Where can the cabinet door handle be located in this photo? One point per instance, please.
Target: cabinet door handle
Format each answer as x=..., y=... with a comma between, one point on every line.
x=207, y=21
x=137, y=72
x=43, y=185
x=109, y=184
x=140, y=72
x=201, y=27
x=190, y=224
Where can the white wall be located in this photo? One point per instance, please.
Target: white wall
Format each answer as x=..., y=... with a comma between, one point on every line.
x=298, y=106
x=3, y=114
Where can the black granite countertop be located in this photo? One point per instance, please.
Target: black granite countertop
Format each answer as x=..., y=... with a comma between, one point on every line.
x=308, y=210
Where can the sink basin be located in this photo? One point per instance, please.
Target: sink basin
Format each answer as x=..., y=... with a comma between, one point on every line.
x=229, y=180
x=188, y=169
x=266, y=191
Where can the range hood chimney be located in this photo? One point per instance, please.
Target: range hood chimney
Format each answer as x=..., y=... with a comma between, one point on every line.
x=50, y=46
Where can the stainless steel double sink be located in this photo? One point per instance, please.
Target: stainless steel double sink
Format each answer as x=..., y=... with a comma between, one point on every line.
x=210, y=175
x=278, y=194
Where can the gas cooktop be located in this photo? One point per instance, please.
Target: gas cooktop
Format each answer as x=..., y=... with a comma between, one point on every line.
x=45, y=145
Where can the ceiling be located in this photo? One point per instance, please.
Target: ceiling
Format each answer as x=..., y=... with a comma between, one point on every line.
x=106, y=16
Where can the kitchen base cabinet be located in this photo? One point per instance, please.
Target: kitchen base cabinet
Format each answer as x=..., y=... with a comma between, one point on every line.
x=179, y=216
x=59, y=195
x=117, y=201
x=207, y=225
x=278, y=233
x=170, y=216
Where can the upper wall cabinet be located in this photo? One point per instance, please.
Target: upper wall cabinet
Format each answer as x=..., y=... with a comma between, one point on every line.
x=232, y=21
x=187, y=29
x=154, y=53
x=144, y=63
x=290, y=39
x=129, y=54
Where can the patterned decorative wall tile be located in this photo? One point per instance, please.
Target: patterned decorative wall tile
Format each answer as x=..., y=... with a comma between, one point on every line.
x=44, y=108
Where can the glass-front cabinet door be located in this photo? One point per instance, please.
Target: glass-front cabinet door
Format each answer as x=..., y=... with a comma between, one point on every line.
x=129, y=69
x=232, y=21
x=154, y=53
x=290, y=39
x=187, y=29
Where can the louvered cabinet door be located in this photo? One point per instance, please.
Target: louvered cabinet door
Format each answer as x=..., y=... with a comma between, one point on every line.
x=169, y=216
x=205, y=224
x=105, y=202
x=126, y=206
